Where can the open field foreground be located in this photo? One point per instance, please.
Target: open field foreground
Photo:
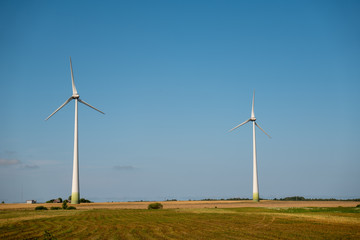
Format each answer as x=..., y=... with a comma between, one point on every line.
x=275, y=220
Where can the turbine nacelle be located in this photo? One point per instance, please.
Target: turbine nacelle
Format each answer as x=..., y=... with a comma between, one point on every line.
x=75, y=95
x=252, y=119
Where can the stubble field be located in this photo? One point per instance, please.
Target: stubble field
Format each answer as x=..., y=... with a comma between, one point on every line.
x=184, y=220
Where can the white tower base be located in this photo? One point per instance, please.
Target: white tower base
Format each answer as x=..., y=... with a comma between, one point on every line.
x=255, y=175
x=75, y=195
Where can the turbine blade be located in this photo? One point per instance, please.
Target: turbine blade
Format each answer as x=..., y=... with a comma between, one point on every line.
x=252, y=108
x=262, y=130
x=67, y=101
x=89, y=105
x=72, y=79
x=239, y=125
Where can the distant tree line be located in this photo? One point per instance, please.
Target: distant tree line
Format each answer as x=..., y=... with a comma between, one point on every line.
x=60, y=200
x=57, y=200
x=294, y=198
x=223, y=199
x=300, y=198
x=82, y=200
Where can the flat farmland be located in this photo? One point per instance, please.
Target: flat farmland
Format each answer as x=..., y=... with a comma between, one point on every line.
x=191, y=204
x=184, y=220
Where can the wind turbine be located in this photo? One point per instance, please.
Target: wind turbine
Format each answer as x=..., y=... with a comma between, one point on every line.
x=75, y=195
x=255, y=175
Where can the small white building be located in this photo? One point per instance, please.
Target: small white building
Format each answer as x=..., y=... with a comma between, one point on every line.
x=30, y=201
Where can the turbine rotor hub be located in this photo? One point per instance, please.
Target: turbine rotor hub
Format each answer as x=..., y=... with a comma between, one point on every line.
x=75, y=96
x=253, y=119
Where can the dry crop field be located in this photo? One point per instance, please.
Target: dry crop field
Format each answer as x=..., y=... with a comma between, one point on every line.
x=184, y=220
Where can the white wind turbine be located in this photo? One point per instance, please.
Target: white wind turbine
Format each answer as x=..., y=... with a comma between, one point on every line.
x=255, y=175
x=75, y=195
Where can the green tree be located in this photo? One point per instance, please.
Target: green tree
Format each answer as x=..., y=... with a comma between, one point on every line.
x=64, y=205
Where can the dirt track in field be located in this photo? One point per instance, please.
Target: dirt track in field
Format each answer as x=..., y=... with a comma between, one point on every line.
x=191, y=204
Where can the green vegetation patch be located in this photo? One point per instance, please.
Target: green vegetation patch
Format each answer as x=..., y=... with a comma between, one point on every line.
x=41, y=208
x=55, y=208
x=155, y=206
x=320, y=210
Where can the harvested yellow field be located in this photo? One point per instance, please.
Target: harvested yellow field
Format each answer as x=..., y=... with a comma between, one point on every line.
x=183, y=220
x=191, y=204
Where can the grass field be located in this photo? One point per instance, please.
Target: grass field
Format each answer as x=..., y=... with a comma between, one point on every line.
x=182, y=223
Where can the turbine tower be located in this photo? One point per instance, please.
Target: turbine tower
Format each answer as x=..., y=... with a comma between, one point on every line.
x=255, y=175
x=75, y=194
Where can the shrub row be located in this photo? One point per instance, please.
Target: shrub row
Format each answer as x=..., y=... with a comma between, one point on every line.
x=64, y=206
x=155, y=206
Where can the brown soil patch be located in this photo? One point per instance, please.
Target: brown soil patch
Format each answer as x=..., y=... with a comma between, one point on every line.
x=190, y=204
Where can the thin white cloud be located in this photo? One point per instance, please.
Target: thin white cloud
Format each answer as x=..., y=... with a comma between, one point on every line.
x=46, y=162
x=9, y=162
x=124, y=168
x=30, y=166
x=17, y=163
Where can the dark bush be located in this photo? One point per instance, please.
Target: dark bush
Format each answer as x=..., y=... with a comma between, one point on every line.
x=71, y=208
x=41, y=208
x=64, y=204
x=57, y=200
x=55, y=208
x=295, y=198
x=48, y=236
x=358, y=205
x=155, y=206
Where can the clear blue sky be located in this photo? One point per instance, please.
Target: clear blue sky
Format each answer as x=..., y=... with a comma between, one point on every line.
x=173, y=77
